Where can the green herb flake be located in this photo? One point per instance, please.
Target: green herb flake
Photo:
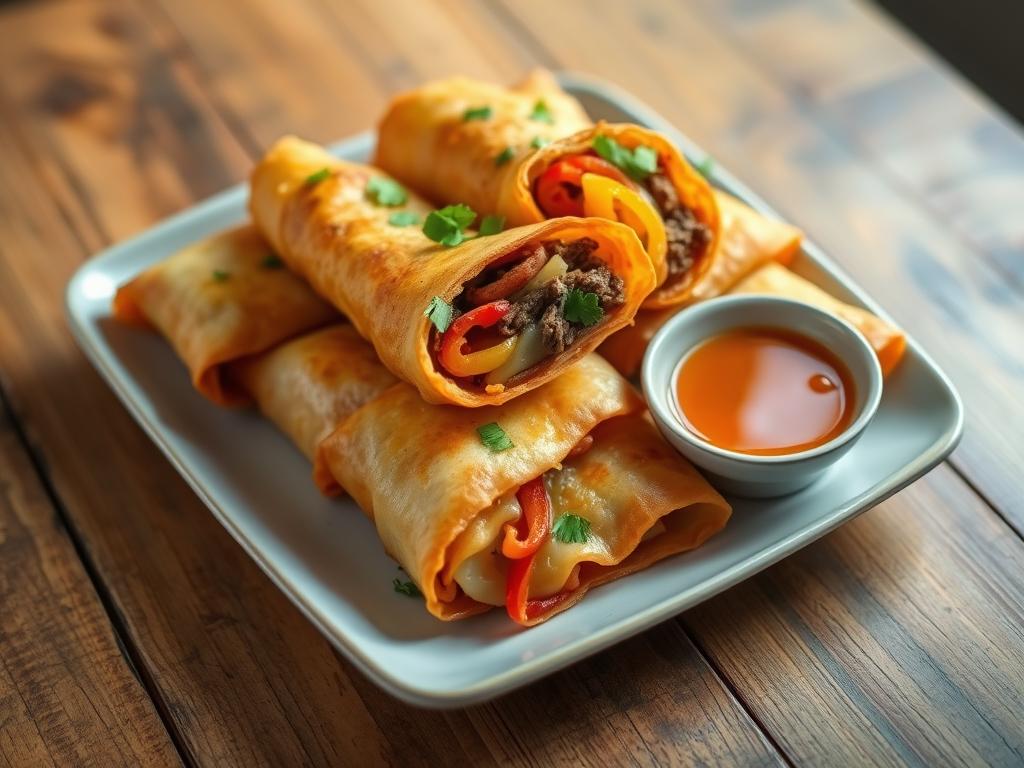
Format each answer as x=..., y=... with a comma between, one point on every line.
x=539, y=141
x=439, y=312
x=403, y=219
x=315, y=178
x=581, y=307
x=447, y=226
x=406, y=588
x=494, y=437
x=541, y=113
x=272, y=261
x=220, y=275
x=506, y=154
x=706, y=166
x=571, y=529
x=381, y=190
x=638, y=163
x=477, y=113
x=491, y=225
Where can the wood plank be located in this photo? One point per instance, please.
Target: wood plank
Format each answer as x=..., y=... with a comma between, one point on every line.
x=245, y=678
x=965, y=311
x=872, y=83
x=895, y=640
x=68, y=695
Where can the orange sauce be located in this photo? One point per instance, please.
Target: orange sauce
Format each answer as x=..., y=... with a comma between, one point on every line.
x=764, y=391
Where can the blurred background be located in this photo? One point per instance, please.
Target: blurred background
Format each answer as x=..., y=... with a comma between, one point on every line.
x=980, y=38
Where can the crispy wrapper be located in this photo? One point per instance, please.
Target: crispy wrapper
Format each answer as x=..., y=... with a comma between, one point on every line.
x=888, y=341
x=310, y=385
x=425, y=141
x=219, y=300
x=423, y=475
x=748, y=240
x=383, y=277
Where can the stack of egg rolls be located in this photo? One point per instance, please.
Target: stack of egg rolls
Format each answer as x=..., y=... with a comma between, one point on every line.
x=443, y=502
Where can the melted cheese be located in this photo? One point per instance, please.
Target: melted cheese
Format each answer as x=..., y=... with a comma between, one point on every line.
x=581, y=486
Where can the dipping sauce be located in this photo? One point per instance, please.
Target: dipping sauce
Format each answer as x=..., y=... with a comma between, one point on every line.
x=764, y=391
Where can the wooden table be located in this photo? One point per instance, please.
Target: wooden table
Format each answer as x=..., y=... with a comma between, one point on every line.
x=134, y=630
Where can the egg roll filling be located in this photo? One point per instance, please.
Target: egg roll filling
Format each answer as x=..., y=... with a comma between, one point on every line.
x=525, y=307
x=588, y=185
x=526, y=551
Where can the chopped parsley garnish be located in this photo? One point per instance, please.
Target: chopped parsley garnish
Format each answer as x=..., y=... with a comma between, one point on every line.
x=539, y=141
x=403, y=219
x=447, y=226
x=504, y=156
x=571, y=529
x=220, y=275
x=491, y=225
x=439, y=312
x=272, y=261
x=315, y=178
x=387, y=192
x=541, y=113
x=406, y=588
x=706, y=166
x=638, y=163
x=581, y=307
x=494, y=437
x=477, y=113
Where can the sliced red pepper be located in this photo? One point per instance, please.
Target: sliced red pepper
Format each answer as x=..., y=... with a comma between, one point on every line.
x=534, y=527
x=459, y=363
x=559, y=190
x=531, y=530
x=517, y=586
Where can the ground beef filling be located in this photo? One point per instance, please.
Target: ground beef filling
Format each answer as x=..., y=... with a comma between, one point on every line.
x=543, y=305
x=687, y=236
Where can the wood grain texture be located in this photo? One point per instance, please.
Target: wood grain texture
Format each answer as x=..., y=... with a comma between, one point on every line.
x=898, y=639
x=895, y=640
x=68, y=695
x=244, y=678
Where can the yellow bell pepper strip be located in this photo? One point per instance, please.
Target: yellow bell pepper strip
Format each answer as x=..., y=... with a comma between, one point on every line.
x=608, y=199
x=460, y=363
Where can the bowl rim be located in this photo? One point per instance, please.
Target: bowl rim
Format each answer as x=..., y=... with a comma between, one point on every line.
x=698, y=313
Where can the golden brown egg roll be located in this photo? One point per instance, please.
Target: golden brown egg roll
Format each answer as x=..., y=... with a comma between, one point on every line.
x=219, y=300
x=511, y=161
x=510, y=306
x=310, y=385
x=888, y=341
x=748, y=240
x=445, y=501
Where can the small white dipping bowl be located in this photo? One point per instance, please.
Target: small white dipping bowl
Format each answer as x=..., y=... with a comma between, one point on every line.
x=741, y=473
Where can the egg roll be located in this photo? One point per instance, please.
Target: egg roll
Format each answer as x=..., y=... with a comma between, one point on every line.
x=475, y=324
x=748, y=240
x=525, y=505
x=219, y=300
x=505, y=152
x=310, y=385
x=888, y=341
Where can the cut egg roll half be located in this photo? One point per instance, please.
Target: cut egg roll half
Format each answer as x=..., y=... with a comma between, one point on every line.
x=748, y=241
x=514, y=158
x=474, y=324
x=525, y=505
x=219, y=300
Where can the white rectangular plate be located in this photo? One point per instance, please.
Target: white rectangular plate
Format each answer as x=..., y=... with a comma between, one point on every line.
x=325, y=555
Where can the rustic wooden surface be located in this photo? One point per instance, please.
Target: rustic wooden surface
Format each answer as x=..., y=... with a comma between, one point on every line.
x=134, y=630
